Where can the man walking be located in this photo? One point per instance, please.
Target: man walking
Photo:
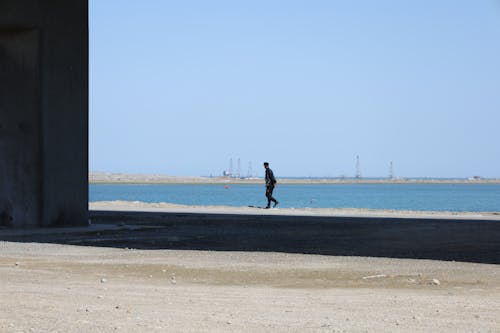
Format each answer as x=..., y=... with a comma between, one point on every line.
x=270, y=183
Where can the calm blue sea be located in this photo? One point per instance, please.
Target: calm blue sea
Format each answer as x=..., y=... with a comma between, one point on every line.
x=422, y=197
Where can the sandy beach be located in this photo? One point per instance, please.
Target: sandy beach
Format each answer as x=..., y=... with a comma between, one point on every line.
x=63, y=288
x=346, y=212
x=58, y=287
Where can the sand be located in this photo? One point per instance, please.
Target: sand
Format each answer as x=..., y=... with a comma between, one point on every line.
x=63, y=288
x=348, y=212
x=67, y=288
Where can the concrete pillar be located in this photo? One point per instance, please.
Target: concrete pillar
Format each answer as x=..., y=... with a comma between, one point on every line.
x=43, y=113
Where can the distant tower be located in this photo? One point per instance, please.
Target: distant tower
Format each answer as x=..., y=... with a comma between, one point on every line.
x=230, y=167
x=358, y=170
x=391, y=171
x=249, y=174
x=238, y=171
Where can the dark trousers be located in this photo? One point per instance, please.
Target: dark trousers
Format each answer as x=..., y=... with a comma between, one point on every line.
x=269, y=195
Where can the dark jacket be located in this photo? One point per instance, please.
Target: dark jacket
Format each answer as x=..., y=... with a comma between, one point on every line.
x=270, y=180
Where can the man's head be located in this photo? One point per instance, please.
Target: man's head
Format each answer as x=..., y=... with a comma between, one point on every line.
x=266, y=165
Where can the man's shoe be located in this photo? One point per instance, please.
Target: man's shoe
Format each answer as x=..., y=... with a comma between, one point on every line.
x=267, y=207
x=275, y=204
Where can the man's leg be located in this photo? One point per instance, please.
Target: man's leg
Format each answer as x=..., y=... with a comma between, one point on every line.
x=269, y=195
x=274, y=200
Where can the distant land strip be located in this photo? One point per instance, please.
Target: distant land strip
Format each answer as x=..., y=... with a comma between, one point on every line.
x=123, y=178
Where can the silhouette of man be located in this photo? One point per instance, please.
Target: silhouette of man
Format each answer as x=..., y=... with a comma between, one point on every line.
x=270, y=183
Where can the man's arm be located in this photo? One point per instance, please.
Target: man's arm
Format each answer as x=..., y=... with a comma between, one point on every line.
x=271, y=174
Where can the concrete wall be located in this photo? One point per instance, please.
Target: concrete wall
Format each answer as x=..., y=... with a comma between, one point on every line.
x=43, y=112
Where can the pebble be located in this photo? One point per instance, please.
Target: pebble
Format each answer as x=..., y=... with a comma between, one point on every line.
x=104, y=280
x=435, y=282
x=374, y=276
x=100, y=297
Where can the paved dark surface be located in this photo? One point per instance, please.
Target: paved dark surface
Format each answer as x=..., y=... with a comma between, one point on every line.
x=437, y=239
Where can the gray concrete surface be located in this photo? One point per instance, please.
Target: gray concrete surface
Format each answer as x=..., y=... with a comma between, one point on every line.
x=43, y=113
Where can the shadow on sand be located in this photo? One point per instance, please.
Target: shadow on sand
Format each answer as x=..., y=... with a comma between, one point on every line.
x=437, y=239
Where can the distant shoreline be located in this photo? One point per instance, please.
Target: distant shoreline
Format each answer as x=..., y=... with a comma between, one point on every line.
x=122, y=178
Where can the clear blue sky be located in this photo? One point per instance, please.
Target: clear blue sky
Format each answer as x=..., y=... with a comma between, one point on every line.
x=181, y=87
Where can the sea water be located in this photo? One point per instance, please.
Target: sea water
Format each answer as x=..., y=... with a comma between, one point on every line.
x=419, y=197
